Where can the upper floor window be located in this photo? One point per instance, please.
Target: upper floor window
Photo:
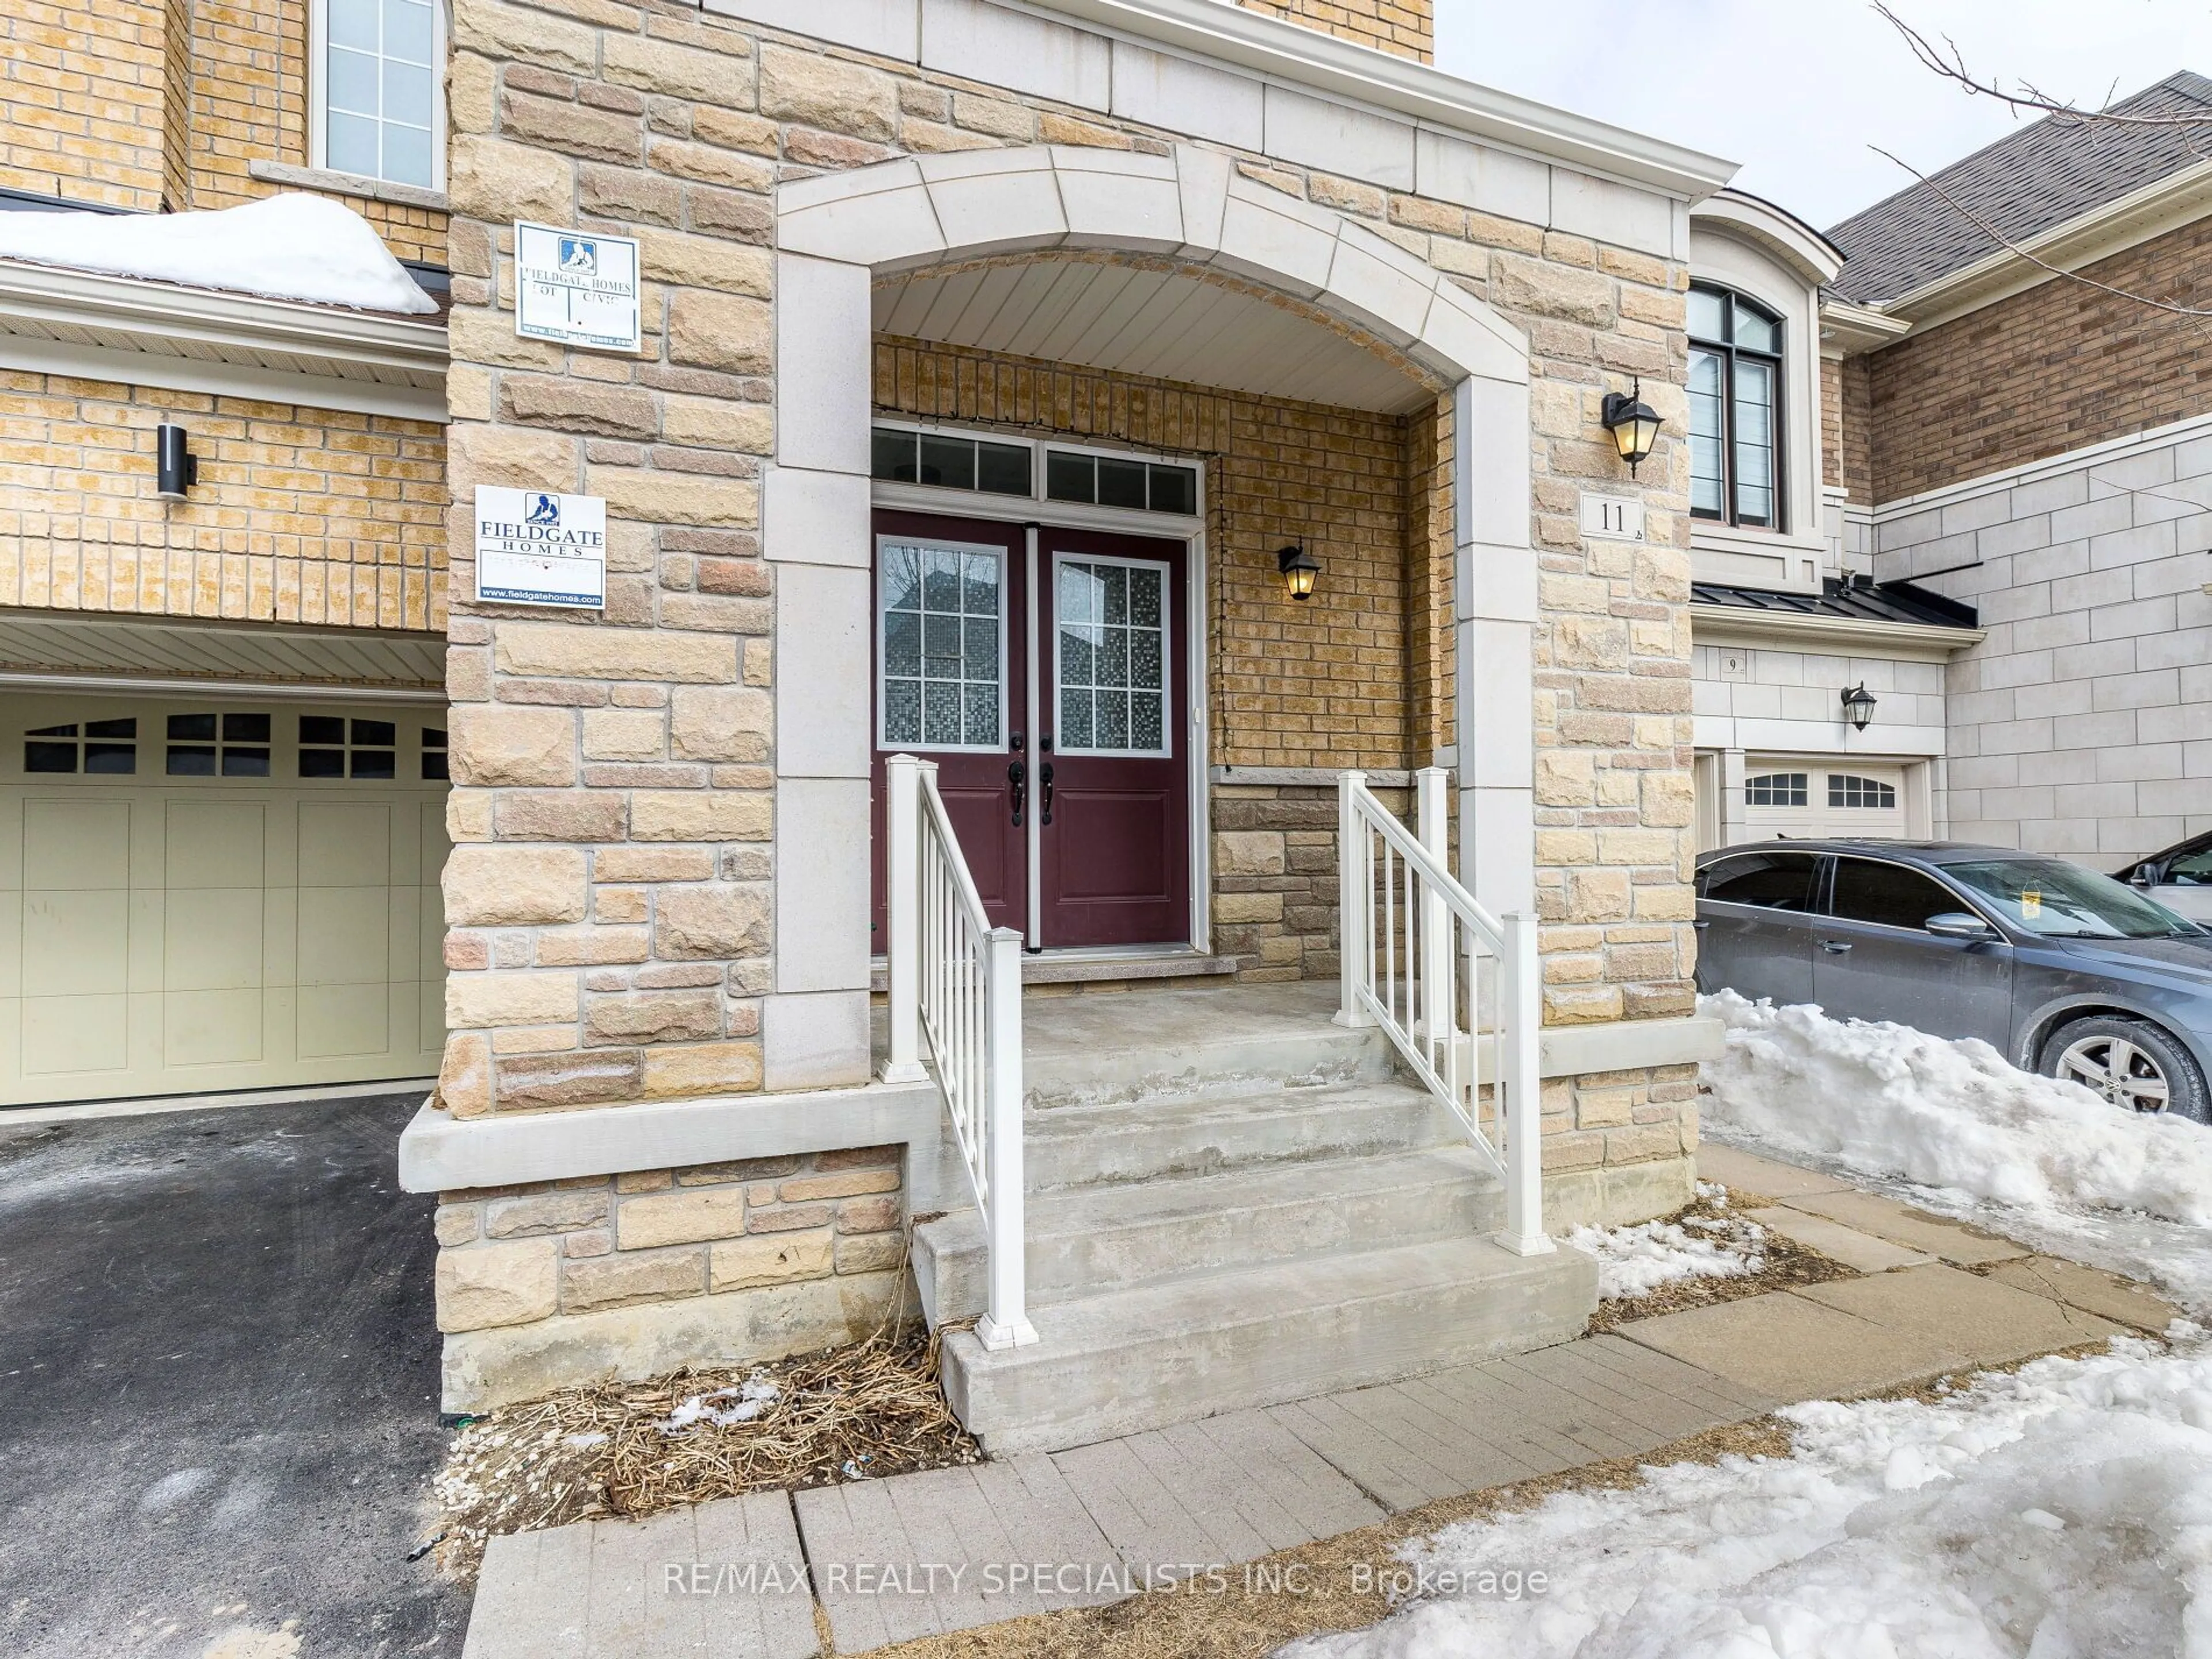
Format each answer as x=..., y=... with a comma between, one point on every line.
x=379, y=107
x=1735, y=403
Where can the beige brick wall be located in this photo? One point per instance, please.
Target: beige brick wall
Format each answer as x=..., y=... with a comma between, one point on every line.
x=2057, y=367
x=300, y=515
x=1618, y=1144
x=575, y=731
x=1407, y=28
x=81, y=99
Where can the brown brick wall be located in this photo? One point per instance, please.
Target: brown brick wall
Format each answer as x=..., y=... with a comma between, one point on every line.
x=1322, y=684
x=300, y=515
x=81, y=99
x=1831, y=421
x=2050, y=370
x=1407, y=28
x=1855, y=417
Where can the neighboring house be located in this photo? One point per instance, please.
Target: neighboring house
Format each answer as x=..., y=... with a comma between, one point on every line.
x=959, y=320
x=2014, y=482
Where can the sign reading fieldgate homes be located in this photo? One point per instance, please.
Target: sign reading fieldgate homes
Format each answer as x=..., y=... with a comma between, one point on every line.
x=537, y=548
x=576, y=288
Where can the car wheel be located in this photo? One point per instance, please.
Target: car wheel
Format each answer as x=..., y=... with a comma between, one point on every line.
x=2131, y=1063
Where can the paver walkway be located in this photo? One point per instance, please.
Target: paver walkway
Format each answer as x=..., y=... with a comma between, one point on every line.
x=951, y=1549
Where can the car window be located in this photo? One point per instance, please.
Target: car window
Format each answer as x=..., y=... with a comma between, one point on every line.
x=2191, y=869
x=1773, y=881
x=2064, y=901
x=1889, y=894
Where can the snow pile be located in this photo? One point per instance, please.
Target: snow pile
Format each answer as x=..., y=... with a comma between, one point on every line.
x=2061, y=1511
x=1886, y=1100
x=288, y=248
x=754, y=1396
x=1634, y=1261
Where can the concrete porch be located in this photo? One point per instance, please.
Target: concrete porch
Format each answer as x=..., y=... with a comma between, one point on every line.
x=1232, y=1201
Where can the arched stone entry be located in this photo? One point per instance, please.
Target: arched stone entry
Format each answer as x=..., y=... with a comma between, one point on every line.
x=834, y=235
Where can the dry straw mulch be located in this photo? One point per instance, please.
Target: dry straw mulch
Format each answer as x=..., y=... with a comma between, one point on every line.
x=865, y=1410
x=1785, y=1263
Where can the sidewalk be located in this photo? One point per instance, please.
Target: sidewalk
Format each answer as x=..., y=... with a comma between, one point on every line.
x=953, y=1549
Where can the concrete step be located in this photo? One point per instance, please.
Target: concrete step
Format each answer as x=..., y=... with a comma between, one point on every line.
x=1133, y=1141
x=1191, y=1043
x=1135, y=1359
x=1107, y=1239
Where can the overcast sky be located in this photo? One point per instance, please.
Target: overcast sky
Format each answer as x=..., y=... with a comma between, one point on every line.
x=1796, y=90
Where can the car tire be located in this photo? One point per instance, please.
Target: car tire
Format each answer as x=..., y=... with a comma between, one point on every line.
x=2154, y=1065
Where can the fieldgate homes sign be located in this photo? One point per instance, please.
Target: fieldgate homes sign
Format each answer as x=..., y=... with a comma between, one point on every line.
x=534, y=547
x=576, y=288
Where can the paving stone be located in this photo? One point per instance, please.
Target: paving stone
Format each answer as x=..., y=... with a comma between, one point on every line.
x=1404, y=1451
x=1948, y=1241
x=1861, y=1251
x=1751, y=1173
x=1224, y=1490
x=1787, y=1348
x=1982, y=1321
x=951, y=1549
x=724, y=1580
x=2090, y=1289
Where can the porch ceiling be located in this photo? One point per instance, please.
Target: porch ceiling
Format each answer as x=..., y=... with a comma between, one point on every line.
x=1167, y=324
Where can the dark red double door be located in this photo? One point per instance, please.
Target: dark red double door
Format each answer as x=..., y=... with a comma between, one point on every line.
x=1045, y=673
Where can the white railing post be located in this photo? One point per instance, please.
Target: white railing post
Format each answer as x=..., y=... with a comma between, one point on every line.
x=1437, y=1013
x=902, y=916
x=1354, y=897
x=1520, y=1077
x=1007, y=1324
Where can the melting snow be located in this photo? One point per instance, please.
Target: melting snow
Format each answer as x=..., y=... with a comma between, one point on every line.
x=753, y=1397
x=1637, y=1260
x=287, y=247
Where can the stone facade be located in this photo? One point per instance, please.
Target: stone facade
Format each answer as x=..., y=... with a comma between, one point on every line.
x=780, y=1254
x=300, y=515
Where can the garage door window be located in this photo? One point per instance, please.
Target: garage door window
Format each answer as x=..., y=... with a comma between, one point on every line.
x=433, y=754
x=102, y=746
x=332, y=746
x=1776, y=789
x=1870, y=793
x=218, y=745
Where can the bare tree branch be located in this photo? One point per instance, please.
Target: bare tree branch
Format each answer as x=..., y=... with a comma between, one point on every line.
x=1981, y=224
x=1948, y=61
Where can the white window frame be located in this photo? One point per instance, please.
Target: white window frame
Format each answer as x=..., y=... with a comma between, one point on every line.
x=1075, y=515
x=1167, y=655
x=1006, y=666
x=319, y=35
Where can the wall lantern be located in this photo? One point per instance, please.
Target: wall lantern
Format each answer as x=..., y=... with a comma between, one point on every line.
x=1301, y=570
x=177, y=469
x=1858, y=708
x=1633, y=422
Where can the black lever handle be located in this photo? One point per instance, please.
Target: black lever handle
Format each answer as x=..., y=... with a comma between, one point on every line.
x=1044, y=774
x=1017, y=774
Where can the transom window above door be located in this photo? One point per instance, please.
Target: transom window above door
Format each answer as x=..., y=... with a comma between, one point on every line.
x=1027, y=469
x=1111, y=657
x=1735, y=405
x=941, y=622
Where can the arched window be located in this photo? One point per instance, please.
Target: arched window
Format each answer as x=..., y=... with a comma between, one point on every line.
x=1736, y=409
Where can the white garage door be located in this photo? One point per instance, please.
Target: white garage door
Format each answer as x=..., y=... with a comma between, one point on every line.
x=217, y=896
x=1808, y=797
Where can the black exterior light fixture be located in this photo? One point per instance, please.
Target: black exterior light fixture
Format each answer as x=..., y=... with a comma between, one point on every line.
x=1633, y=422
x=177, y=469
x=1301, y=570
x=1858, y=708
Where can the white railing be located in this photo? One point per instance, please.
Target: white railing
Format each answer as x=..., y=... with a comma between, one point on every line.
x=1455, y=988
x=957, y=981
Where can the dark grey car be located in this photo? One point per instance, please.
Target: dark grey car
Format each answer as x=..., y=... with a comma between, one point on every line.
x=2063, y=970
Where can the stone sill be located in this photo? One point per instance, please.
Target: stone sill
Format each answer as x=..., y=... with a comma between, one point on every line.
x=348, y=184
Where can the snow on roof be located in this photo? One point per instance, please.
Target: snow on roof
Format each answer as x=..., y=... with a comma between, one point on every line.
x=286, y=247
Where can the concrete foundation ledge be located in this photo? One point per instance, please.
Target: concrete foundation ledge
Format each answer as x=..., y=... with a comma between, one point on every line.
x=441, y=1153
x=1617, y=1194
x=1624, y=1045
x=484, y=1369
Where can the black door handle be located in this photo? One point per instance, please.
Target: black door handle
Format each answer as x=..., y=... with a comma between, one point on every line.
x=1017, y=774
x=1835, y=947
x=1044, y=773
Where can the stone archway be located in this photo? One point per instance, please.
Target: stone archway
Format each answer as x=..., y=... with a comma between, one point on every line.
x=835, y=232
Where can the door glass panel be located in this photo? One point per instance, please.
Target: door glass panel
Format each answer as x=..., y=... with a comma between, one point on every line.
x=1111, y=657
x=1889, y=894
x=1772, y=881
x=941, y=616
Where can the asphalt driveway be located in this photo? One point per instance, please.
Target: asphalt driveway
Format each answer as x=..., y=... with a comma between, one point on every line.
x=218, y=1389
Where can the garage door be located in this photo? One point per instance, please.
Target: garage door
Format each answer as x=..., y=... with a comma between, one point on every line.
x=1804, y=797
x=217, y=896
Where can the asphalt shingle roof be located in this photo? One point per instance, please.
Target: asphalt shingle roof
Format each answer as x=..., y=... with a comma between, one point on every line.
x=2037, y=177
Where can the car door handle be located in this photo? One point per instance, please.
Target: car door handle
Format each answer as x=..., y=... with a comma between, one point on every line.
x=1835, y=947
